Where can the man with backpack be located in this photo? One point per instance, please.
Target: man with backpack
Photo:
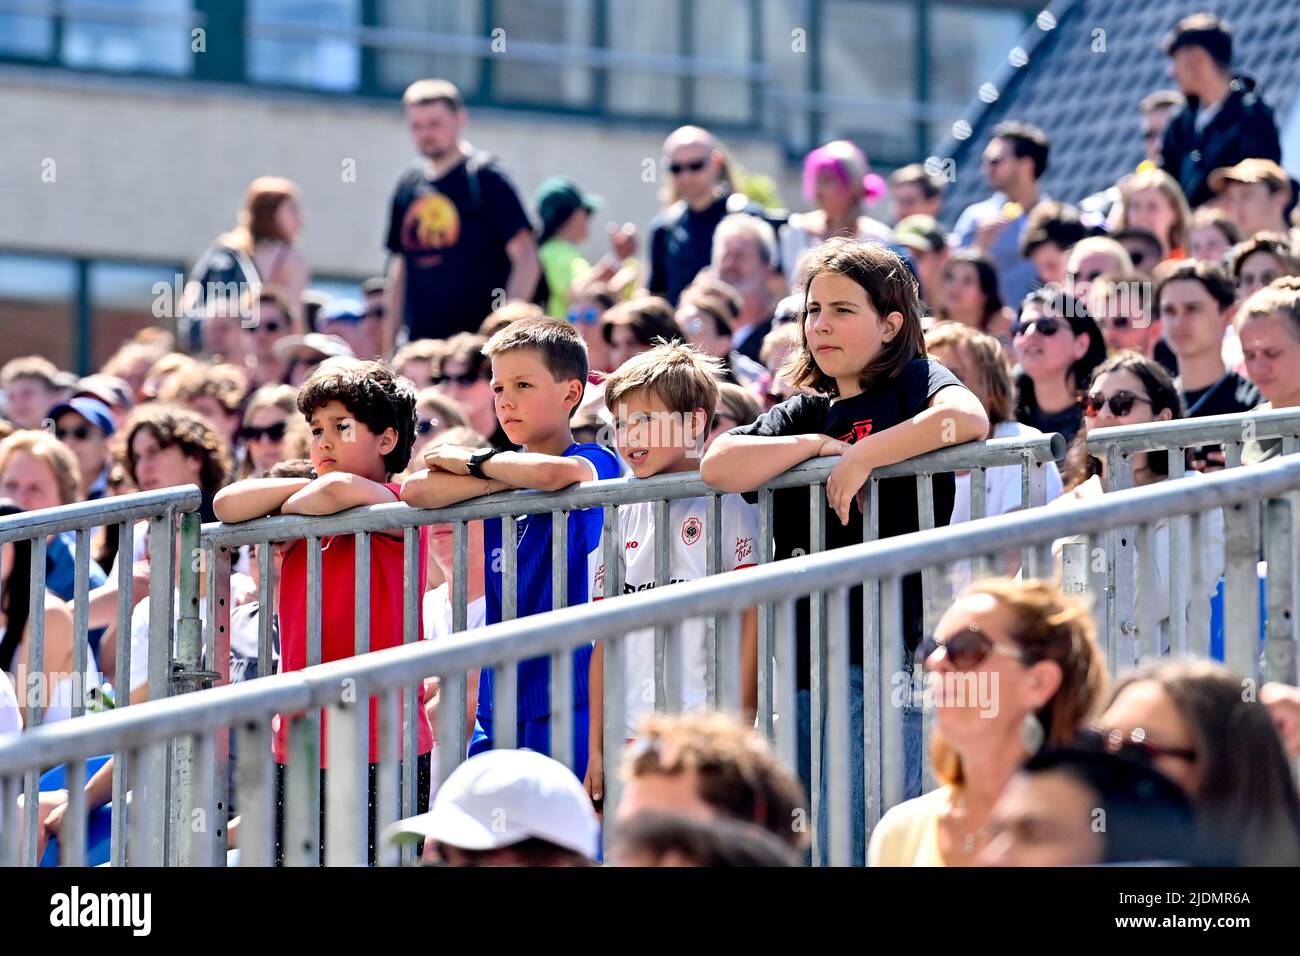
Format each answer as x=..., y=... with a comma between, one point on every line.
x=462, y=243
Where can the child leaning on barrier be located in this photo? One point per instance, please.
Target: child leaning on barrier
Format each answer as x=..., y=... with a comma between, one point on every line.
x=880, y=400
x=362, y=420
x=539, y=372
x=662, y=402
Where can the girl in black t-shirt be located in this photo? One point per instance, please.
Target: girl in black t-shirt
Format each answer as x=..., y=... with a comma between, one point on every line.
x=879, y=401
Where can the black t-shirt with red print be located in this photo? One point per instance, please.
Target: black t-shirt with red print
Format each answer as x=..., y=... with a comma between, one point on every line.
x=851, y=420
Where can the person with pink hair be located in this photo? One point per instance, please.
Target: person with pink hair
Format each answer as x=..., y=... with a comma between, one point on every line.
x=836, y=180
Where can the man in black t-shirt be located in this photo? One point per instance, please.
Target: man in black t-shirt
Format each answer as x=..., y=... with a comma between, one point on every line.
x=681, y=239
x=462, y=243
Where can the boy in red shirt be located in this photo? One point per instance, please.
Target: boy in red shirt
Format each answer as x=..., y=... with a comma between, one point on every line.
x=362, y=422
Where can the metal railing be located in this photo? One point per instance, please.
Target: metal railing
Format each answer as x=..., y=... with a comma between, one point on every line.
x=248, y=708
x=1117, y=607
x=161, y=509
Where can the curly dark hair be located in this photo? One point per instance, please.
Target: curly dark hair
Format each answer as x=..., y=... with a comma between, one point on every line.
x=373, y=395
x=177, y=425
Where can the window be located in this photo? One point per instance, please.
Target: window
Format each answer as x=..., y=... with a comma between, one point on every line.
x=399, y=68
x=302, y=43
x=563, y=23
x=967, y=46
x=649, y=30
x=721, y=32
x=28, y=34
x=38, y=301
x=869, y=54
x=128, y=297
x=130, y=36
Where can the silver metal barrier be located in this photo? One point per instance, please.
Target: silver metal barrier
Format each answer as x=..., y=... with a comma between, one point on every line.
x=160, y=509
x=248, y=708
x=1247, y=541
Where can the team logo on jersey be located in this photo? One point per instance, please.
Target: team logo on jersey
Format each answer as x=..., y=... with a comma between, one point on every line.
x=691, y=530
x=860, y=431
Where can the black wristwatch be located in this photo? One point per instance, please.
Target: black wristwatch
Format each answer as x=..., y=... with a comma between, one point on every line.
x=477, y=459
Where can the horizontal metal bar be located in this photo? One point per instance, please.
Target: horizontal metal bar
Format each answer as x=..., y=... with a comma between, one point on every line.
x=96, y=514
x=553, y=631
x=1185, y=432
x=616, y=491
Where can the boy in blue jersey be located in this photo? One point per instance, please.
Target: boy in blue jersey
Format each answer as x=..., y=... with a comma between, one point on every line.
x=539, y=371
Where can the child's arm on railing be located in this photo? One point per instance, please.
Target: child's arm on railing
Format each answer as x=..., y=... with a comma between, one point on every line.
x=335, y=492
x=430, y=488
x=953, y=417
x=515, y=469
x=255, y=497
x=736, y=463
x=749, y=666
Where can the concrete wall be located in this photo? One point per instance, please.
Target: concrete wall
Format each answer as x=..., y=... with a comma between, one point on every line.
x=154, y=171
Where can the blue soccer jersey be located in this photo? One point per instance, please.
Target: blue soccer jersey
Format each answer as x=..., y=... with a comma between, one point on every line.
x=533, y=566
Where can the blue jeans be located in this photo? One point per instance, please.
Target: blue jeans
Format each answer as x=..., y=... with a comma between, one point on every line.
x=912, y=758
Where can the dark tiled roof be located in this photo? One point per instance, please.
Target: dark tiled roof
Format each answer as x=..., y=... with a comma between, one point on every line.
x=1086, y=99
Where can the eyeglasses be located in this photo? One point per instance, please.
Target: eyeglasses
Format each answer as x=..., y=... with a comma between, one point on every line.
x=1115, y=322
x=991, y=160
x=584, y=316
x=966, y=649
x=1045, y=327
x=77, y=433
x=693, y=166
x=466, y=380
x=1121, y=403
x=1135, y=741
x=274, y=432
x=426, y=425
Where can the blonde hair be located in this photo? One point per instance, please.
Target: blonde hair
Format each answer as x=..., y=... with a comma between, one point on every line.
x=421, y=350
x=451, y=412
x=739, y=402
x=1280, y=298
x=223, y=383
x=989, y=358
x=1049, y=626
x=44, y=447
x=1106, y=246
x=508, y=314
x=1169, y=188
x=426, y=91
x=683, y=378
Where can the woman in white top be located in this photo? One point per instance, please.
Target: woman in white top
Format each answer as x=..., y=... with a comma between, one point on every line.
x=1012, y=665
x=836, y=179
x=1131, y=389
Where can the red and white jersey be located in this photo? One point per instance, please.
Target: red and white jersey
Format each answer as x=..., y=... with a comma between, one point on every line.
x=688, y=561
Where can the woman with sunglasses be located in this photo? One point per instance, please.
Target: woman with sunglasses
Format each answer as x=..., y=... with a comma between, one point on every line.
x=1012, y=665
x=269, y=417
x=1218, y=743
x=435, y=413
x=1131, y=389
x=1057, y=345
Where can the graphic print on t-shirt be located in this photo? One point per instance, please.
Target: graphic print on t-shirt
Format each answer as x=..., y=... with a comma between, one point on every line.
x=432, y=222
x=860, y=431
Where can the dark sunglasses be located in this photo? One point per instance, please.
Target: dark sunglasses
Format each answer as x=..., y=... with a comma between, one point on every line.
x=467, y=379
x=1121, y=403
x=965, y=650
x=1045, y=327
x=693, y=166
x=1117, y=742
x=377, y=313
x=270, y=325
x=1137, y=257
x=584, y=316
x=78, y=432
x=274, y=432
x=1115, y=322
x=426, y=425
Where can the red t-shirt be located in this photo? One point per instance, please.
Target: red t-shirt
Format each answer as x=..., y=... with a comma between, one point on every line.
x=338, y=614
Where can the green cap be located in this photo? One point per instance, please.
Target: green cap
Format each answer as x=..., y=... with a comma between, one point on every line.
x=920, y=232
x=559, y=198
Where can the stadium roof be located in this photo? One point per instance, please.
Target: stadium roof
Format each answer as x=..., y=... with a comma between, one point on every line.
x=1084, y=65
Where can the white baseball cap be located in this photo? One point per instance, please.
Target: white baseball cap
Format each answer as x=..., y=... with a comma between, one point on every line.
x=503, y=797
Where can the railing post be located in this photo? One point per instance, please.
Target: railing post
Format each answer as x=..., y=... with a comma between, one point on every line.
x=1279, y=642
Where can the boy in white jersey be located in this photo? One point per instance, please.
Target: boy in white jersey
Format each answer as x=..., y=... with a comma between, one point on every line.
x=662, y=402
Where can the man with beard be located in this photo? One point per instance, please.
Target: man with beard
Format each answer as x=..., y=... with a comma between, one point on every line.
x=457, y=229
